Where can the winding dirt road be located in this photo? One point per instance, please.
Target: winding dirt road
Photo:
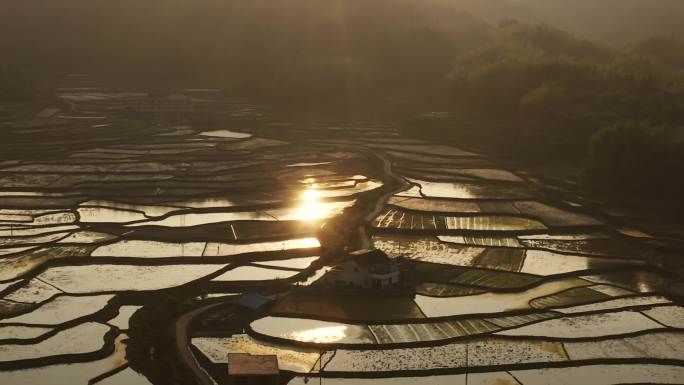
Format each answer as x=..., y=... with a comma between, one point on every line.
x=183, y=344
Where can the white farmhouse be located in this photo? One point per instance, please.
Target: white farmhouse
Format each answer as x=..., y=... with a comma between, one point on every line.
x=370, y=269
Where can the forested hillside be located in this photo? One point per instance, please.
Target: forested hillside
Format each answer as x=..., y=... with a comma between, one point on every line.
x=613, y=22
x=550, y=97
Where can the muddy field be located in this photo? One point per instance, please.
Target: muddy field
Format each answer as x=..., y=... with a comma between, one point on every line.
x=105, y=220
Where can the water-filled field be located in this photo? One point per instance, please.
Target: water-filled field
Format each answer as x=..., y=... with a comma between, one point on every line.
x=126, y=245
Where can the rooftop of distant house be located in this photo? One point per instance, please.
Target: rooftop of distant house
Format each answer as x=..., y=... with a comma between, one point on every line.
x=368, y=257
x=241, y=364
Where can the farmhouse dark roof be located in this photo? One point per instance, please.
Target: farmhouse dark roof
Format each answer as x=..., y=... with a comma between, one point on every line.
x=367, y=258
x=254, y=300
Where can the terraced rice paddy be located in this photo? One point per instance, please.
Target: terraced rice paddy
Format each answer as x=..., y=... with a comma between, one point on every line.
x=401, y=220
x=141, y=233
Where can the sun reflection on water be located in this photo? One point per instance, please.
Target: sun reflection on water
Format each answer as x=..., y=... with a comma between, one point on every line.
x=311, y=208
x=321, y=335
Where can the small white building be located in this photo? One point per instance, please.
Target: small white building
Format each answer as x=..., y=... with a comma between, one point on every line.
x=369, y=269
x=170, y=104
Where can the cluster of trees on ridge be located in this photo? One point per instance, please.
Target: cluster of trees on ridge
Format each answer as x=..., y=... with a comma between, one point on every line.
x=556, y=97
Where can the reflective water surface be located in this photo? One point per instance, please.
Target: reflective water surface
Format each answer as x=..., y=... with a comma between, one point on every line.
x=145, y=224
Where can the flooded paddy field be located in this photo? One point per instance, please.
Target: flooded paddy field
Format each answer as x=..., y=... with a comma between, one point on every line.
x=143, y=252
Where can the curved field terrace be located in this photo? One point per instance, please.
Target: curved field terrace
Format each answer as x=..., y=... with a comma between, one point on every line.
x=138, y=251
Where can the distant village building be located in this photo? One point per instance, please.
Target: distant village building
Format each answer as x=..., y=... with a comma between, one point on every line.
x=254, y=301
x=207, y=104
x=368, y=269
x=170, y=104
x=205, y=93
x=247, y=369
x=102, y=102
